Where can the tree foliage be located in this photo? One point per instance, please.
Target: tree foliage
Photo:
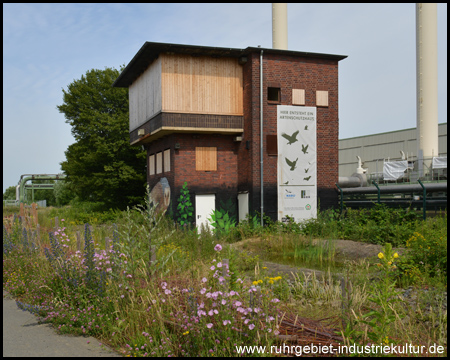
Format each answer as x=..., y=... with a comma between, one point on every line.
x=10, y=193
x=101, y=166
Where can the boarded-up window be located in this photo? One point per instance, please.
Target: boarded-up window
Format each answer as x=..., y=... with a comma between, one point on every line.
x=206, y=158
x=167, y=160
x=298, y=96
x=151, y=164
x=272, y=146
x=159, y=163
x=321, y=98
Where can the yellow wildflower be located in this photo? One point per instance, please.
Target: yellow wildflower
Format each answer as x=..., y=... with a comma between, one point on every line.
x=381, y=255
x=395, y=255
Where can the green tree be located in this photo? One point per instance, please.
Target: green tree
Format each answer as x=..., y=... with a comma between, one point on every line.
x=63, y=193
x=10, y=193
x=101, y=166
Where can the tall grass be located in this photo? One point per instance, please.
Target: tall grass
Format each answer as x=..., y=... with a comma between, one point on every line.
x=159, y=290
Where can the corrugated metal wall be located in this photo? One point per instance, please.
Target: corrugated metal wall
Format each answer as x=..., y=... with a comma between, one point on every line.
x=382, y=146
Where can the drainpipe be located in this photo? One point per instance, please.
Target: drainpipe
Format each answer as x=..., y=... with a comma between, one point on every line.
x=261, y=132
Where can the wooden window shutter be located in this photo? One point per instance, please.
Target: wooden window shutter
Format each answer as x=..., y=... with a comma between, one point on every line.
x=298, y=96
x=206, y=158
x=151, y=164
x=167, y=160
x=159, y=163
x=321, y=98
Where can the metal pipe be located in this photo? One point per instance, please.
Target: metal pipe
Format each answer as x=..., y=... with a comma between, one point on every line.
x=349, y=181
x=24, y=180
x=392, y=189
x=424, y=200
x=261, y=134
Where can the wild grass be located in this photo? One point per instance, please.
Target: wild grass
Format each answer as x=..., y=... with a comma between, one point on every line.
x=156, y=289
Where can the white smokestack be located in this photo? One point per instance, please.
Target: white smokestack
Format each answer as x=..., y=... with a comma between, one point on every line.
x=427, y=87
x=279, y=26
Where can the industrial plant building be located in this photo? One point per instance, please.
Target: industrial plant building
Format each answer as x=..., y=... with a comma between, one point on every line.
x=377, y=149
x=199, y=111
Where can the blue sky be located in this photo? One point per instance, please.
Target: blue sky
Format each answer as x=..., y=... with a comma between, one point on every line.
x=47, y=46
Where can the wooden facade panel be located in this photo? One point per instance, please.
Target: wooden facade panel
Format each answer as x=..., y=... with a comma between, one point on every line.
x=201, y=85
x=298, y=97
x=145, y=95
x=151, y=164
x=159, y=164
x=206, y=158
x=167, y=160
x=321, y=98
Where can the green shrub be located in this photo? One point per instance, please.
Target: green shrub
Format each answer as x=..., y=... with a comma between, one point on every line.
x=222, y=222
x=427, y=257
x=185, y=208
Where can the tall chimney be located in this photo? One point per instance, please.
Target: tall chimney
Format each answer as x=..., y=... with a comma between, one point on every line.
x=427, y=89
x=279, y=26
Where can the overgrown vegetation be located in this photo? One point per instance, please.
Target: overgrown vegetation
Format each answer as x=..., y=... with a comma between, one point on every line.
x=155, y=289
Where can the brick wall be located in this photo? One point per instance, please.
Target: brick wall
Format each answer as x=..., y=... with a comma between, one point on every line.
x=223, y=182
x=288, y=72
x=238, y=163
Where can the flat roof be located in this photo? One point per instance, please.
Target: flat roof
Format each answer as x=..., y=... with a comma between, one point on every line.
x=151, y=50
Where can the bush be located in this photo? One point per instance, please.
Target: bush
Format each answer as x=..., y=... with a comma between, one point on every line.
x=427, y=258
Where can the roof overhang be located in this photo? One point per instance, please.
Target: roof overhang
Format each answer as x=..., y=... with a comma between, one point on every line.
x=150, y=51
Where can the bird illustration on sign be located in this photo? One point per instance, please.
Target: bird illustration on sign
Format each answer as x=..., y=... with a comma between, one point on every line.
x=290, y=138
x=292, y=164
x=305, y=149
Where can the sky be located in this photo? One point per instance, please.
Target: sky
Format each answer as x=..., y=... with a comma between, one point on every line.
x=48, y=46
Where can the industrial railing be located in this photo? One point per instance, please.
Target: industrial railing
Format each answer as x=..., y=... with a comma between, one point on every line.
x=425, y=196
x=11, y=203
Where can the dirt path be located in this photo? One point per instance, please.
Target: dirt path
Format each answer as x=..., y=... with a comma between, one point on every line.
x=345, y=249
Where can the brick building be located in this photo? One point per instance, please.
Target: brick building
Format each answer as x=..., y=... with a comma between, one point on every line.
x=196, y=110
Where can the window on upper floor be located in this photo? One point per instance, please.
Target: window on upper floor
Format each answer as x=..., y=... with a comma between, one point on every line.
x=274, y=95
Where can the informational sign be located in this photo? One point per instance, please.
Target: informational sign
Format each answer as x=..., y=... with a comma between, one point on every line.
x=297, y=162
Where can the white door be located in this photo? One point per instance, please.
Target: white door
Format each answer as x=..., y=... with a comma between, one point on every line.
x=204, y=206
x=242, y=206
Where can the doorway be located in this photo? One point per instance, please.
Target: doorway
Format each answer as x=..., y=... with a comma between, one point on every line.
x=204, y=206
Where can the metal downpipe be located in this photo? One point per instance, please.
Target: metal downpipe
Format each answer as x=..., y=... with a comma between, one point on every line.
x=261, y=134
